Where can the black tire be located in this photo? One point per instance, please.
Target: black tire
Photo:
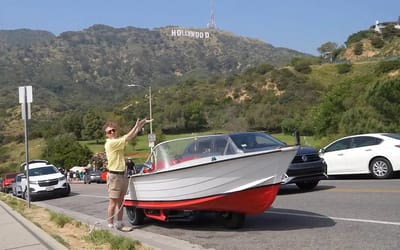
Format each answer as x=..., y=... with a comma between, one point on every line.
x=135, y=215
x=231, y=220
x=307, y=185
x=381, y=168
x=24, y=194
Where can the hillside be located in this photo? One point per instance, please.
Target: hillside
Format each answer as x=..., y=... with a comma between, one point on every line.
x=72, y=69
x=324, y=100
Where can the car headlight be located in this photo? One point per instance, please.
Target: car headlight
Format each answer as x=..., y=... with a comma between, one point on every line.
x=33, y=182
x=62, y=178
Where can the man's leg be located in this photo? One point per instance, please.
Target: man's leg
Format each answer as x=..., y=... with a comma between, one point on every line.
x=111, y=210
x=121, y=209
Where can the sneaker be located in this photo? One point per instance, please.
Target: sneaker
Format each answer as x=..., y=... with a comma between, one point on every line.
x=111, y=226
x=121, y=227
x=118, y=225
x=126, y=229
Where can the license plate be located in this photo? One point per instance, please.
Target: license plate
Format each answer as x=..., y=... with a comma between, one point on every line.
x=49, y=188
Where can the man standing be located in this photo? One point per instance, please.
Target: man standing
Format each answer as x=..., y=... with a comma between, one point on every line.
x=117, y=182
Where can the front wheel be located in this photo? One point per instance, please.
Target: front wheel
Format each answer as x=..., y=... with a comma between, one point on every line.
x=381, y=168
x=231, y=220
x=135, y=215
x=67, y=190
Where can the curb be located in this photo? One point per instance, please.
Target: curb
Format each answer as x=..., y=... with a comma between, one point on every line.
x=148, y=239
x=43, y=237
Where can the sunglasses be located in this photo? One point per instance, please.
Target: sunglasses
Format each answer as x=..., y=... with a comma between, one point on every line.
x=110, y=131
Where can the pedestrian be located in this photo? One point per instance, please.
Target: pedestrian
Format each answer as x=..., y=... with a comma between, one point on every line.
x=71, y=176
x=130, y=167
x=67, y=175
x=117, y=182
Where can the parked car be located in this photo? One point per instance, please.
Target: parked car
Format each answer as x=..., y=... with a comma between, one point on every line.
x=306, y=169
x=16, y=185
x=44, y=180
x=8, y=178
x=95, y=176
x=376, y=154
x=103, y=176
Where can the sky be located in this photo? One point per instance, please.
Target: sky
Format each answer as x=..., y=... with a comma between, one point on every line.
x=302, y=25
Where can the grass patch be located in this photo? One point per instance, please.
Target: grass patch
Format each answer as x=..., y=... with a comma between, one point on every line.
x=100, y=237
x=69, y=232
x=59, y=219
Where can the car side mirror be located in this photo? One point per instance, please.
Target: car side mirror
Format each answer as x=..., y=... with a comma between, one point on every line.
x=322, y=150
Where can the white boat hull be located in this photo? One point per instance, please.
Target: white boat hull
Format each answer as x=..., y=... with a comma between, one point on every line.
x=212, y=176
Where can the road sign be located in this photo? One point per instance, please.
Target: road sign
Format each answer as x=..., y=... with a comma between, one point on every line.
x=25, y=94
x=152, y=139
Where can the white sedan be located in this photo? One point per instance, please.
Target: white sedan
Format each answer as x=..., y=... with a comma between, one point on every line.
x=376, y=154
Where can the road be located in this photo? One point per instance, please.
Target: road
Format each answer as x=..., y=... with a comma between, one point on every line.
x=352, y=213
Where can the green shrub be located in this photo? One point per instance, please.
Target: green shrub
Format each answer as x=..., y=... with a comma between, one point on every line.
x=357, y=37
x=344, y=68
x=59, y=219
x=377, y=42
x=303, y=68
x=387, y=66
x=358, y=49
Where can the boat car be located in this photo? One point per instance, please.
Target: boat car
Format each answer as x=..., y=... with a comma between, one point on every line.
x=232, y=175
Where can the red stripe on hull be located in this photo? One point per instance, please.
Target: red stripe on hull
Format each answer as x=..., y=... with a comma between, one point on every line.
x=250, y=201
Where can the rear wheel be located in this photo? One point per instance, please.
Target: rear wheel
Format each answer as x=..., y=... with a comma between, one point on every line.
x=231, y=220
x=307, y=185
x=135, y=215
x=381, y=168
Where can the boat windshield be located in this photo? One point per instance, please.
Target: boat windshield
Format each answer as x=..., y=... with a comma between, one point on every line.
x=170, y=153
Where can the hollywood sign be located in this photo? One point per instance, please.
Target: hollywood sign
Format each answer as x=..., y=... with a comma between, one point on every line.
x=190, y=33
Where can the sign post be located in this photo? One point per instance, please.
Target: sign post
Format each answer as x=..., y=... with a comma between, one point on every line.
x=25, y=98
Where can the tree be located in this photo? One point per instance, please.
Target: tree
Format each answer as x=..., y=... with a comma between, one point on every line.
x=65, y=152
x=385, y=98
x=328, y=50
x=92, y=126
x=194, y=116
x=328, y=47
x=72, y=123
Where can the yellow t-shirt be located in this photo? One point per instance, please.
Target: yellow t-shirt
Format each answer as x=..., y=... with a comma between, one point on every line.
x=115, y=154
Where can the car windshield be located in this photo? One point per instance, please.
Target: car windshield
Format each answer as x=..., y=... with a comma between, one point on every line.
x=256, y=141
x=49, y=169
x=9, y=176
x=393, y=136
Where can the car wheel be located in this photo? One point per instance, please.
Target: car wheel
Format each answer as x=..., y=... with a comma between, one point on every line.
x=307, y=185
x=135, y=215
x=68, y=190
x=24, y=194
x=231, y=220
x=381, y=168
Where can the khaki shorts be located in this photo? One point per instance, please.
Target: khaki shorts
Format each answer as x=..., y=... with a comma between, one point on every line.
x=117, y=185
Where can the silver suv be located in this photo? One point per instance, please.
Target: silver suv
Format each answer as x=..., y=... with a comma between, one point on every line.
x=16, y=185
x=44, y=180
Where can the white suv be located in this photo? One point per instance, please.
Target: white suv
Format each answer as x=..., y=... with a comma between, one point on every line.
x=44, y=180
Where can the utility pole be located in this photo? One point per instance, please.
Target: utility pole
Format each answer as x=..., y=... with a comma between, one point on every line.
x=151, y=136
x=25, y=98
